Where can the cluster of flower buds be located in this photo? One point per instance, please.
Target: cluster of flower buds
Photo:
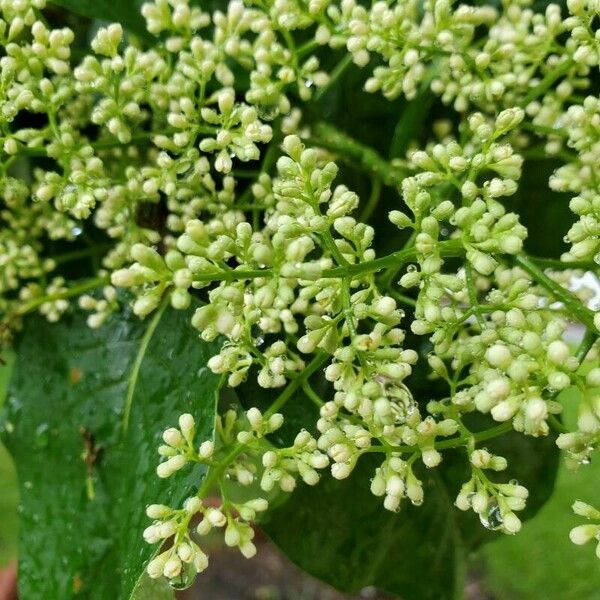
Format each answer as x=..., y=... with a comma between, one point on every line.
x=283, y=465
x=101, y=308
x=580, y=444
x=582, y=534
x=495, y=503
x=184, y=557
x=178, y=448
x=578, y=176
x=395, y=480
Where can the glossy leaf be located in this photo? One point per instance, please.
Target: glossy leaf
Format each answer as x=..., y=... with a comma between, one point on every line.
x=85, y=475
x=127, y=12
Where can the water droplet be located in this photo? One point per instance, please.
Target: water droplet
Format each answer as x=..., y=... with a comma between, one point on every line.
x=492, y=519
x=514, y=482
x=42, y=435
x=411, y=268
x=308, y=83
x=268, y=111
x=76, y=231
x=185, y=579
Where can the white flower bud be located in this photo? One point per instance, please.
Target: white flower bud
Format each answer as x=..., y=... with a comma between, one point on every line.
x=269, y=459
x=248, y=549
x=585, y=510
x=255, y=418
x=151, y=534
x=503, y=411
x=384, y=306
x=206, y=449
x=340, y=470
x=275, y=422
x=583, y=534
x=156, y=566
x=215, y=517
x=232, y=535
x=558, y=352
x=167, y=468
x=511, y=524
x=499, y=356
x=172, y=568
x=158, y=511
x=192, y=505
x=187, y=425
x=593, y=377
x=391, y=503
x=173, y=437
x=431, y=457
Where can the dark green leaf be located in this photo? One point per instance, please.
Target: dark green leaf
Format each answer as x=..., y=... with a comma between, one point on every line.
x=81, y=528
x=339, y=532
x=545, y=213
x=125, y=12
x=8, y=482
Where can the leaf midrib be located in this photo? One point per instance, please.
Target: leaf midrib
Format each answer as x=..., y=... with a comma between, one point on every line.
x=137, y=365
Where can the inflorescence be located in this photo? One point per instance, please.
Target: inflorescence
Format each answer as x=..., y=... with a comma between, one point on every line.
x=293, y=284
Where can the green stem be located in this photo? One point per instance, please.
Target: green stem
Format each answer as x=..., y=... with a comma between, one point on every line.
x=472, y=291
x=547, y=82
x=372, y=202
x=589, y=339
x=66, y=257
x=327, y=136
x=296, y=383
x=395, y=259
x=456, y=442
x=135, y=372
x=574, y=306
x=557, y=264
x=556, y=424
x=307, y=388
x=542, y=130
x=336, y=73
x=75, y=290
x=402, y=298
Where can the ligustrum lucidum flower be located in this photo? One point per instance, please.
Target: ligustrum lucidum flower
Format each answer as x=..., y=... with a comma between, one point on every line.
x=198, y=161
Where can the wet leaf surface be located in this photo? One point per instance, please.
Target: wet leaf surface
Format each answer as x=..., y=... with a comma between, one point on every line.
x=85, y=479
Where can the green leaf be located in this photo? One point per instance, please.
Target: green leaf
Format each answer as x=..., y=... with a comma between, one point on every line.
x=545, y=213
x=70, y=392
x=339, y=532
x=8, y=482
x=126, y=12
x=152, y=589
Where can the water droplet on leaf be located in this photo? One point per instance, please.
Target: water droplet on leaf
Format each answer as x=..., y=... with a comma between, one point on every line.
x=42, y=435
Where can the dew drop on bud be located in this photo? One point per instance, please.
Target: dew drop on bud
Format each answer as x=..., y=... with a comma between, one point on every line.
x=492, y=519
